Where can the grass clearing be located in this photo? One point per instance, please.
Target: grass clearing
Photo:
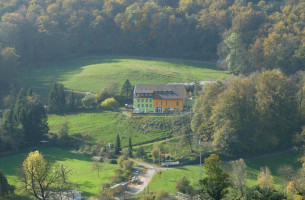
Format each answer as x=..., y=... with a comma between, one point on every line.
x=104, y=125
x=82, y=177
x=169, y=178
x=93, y=73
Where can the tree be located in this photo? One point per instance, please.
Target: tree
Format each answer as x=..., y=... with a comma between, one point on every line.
x=71, y=102
x=29, y=112
x=236, y=57
x=140, y=153
x=64, y=130
x=88, y=101
x=57, y=98
x=183, y=186
x=39, y=177
x=127, y=90
x=187, y=138
x=96, y=167
x=5, y=188
x=130, y=148
x=155, y=153
x=201, y=122
x=102, y=96
x=217, y=182
x=118, y=147
x=265, y=179
x=110, y=104
x=277, y=109
x=238, y=177
x=9, y=64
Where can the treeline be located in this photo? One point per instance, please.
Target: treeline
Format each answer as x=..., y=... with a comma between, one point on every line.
x=248, y=34
x=245, y=35
x=258, y=113
x=24, y=124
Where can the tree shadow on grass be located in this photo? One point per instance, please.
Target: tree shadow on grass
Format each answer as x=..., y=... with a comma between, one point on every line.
x=10, y=164
x=86, y=184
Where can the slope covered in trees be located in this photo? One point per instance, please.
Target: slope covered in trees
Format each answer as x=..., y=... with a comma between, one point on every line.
x=245, y=35
x=48, y=30
x=257, y=113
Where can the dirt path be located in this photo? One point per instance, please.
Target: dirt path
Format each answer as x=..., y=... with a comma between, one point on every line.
x=146, y=173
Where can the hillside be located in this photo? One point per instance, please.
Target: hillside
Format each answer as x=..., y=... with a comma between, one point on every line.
x=94, y=73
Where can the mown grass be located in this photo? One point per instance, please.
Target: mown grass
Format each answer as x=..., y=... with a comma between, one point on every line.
x=84, y=179
x=93, y=73
x=105, y=126
x=168, y=179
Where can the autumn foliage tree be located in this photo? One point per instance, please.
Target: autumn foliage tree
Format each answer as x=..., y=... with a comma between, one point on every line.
x=40, y=178
x=248, y=114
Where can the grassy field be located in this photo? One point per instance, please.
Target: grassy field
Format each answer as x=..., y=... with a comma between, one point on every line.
x=93, y=73
x=82, y=177
x=104, y=125
x=169, y=178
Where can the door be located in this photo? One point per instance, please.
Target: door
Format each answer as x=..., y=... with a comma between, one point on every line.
x=159, y=110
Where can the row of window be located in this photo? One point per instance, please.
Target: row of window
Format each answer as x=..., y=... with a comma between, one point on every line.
x=146, y=100
x=177, y=103
x=146, y=105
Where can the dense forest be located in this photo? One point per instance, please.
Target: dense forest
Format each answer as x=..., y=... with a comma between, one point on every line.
x=257, y=113
x=243, y=35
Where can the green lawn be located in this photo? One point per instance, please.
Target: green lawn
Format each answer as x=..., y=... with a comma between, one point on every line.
x=170, y=177
x=105, y=126
x=94, y=73
x=82, y=177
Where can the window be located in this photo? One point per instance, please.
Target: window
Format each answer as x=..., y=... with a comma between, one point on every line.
x=166, y=103
x=138, y=105
x=146, y=100
x=142, y=100
x=138, y=100
x=161, y=103
x=142, y=105
x=146, y=105
x=150, y=105
x=177, y=103
x=150, y=100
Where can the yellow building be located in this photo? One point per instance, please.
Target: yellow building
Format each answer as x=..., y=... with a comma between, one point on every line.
x=166, y=98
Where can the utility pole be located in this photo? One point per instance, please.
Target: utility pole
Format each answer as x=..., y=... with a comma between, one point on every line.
x=200, y=164
x=160, y=158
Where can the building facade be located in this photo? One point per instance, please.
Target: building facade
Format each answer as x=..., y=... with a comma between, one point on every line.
x=158, y=98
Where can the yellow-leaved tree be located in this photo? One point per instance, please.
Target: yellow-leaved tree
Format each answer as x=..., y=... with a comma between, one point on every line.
x=265, y=179
x=40, y=179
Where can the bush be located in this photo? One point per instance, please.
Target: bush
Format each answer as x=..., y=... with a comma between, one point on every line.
x=183, y=186
x=113, y=161
x=110, y=104
x=162, y=195
x=102, y=96
x=88, y=101
x=140, y=153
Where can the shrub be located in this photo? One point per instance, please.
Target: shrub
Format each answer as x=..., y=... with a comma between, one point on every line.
x=88, y=101
x=162, y=195
x=183, y=186
x=110, y=104
x=113, y=161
